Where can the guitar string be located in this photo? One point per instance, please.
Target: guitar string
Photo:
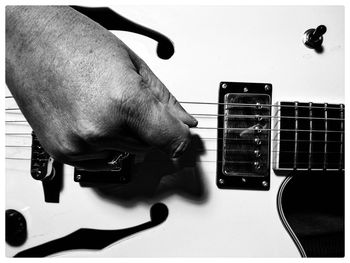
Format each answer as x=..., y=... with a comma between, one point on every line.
x=201, y=150
x=210, y=115
x=273, y=163
x=341, y=107
x=207, y=115
x=222, y=139
x=264, y=129
x=257, y=129
x=262, y=105
x=226, y=139
x=204, y=161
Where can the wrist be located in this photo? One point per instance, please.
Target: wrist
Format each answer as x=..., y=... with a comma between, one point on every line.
x=27, y=25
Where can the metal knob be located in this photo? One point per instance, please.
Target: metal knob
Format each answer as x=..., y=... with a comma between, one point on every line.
x=313, y=38
x=16, y=228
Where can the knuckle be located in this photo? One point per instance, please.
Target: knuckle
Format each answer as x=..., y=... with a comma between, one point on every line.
x=136, y=108
x=88, y=132
x=69, y=146
x=66, y=151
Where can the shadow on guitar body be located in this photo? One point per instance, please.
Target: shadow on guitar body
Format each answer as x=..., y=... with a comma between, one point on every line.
x=158, y=177
x=313, y=206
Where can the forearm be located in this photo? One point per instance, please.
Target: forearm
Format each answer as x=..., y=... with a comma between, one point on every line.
x=45, y=45
x=46, y=36
x=30, y=31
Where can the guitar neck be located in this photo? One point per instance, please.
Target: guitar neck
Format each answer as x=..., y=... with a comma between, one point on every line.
x=309, y=137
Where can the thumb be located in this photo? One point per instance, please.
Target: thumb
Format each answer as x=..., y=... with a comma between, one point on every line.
x=158, y=127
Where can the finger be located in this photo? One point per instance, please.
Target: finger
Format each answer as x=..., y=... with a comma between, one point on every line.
x=159, y=90
x=175, y=107
x=156, y=126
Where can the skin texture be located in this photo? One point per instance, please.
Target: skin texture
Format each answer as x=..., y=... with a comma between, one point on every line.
x=84, y=92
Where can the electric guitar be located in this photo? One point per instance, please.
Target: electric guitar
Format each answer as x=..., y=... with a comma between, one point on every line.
x=264, y=175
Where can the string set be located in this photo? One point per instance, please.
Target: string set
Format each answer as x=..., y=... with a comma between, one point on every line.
x=206, y=115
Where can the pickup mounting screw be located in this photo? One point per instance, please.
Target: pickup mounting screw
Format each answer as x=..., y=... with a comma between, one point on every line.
x=267, y=87
x=78, y=177
x=245, y=89
x=265, y=184
x=257, y=141
x=221, y=181
x=257, y=153
x=224, y=85
x=257, y=165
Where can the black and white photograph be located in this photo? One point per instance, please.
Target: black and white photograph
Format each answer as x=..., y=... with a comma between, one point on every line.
x=174, y=131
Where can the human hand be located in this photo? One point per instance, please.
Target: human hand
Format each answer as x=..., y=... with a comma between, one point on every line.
x=84, y=92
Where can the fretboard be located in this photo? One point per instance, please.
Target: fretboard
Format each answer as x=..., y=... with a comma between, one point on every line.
x=309, y=137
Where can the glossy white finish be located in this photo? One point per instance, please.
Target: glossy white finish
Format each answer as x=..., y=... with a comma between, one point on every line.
x=212, y=44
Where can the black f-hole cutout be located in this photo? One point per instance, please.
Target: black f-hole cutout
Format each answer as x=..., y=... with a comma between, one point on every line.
x=113, y=21
x=95, y=239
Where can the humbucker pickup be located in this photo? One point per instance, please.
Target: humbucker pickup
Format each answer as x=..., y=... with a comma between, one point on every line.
x=244, y=125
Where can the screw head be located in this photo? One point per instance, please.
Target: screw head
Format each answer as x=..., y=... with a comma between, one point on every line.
x=224, y=85
x=267, y=87
x=221, y=181
x=245, y=89
x=78, y=177
x=244, y=180
x=265, y=184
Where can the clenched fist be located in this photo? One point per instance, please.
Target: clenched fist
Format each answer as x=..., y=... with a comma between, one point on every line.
x=84, y=92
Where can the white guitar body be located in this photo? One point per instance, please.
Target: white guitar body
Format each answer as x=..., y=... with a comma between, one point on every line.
x=212, y=44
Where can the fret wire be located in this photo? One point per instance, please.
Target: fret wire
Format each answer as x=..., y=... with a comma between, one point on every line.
x=234, y=162
x=296, y=135
x=325, y=136
x=341, y=137
x=236, y=104
x=310, y=136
